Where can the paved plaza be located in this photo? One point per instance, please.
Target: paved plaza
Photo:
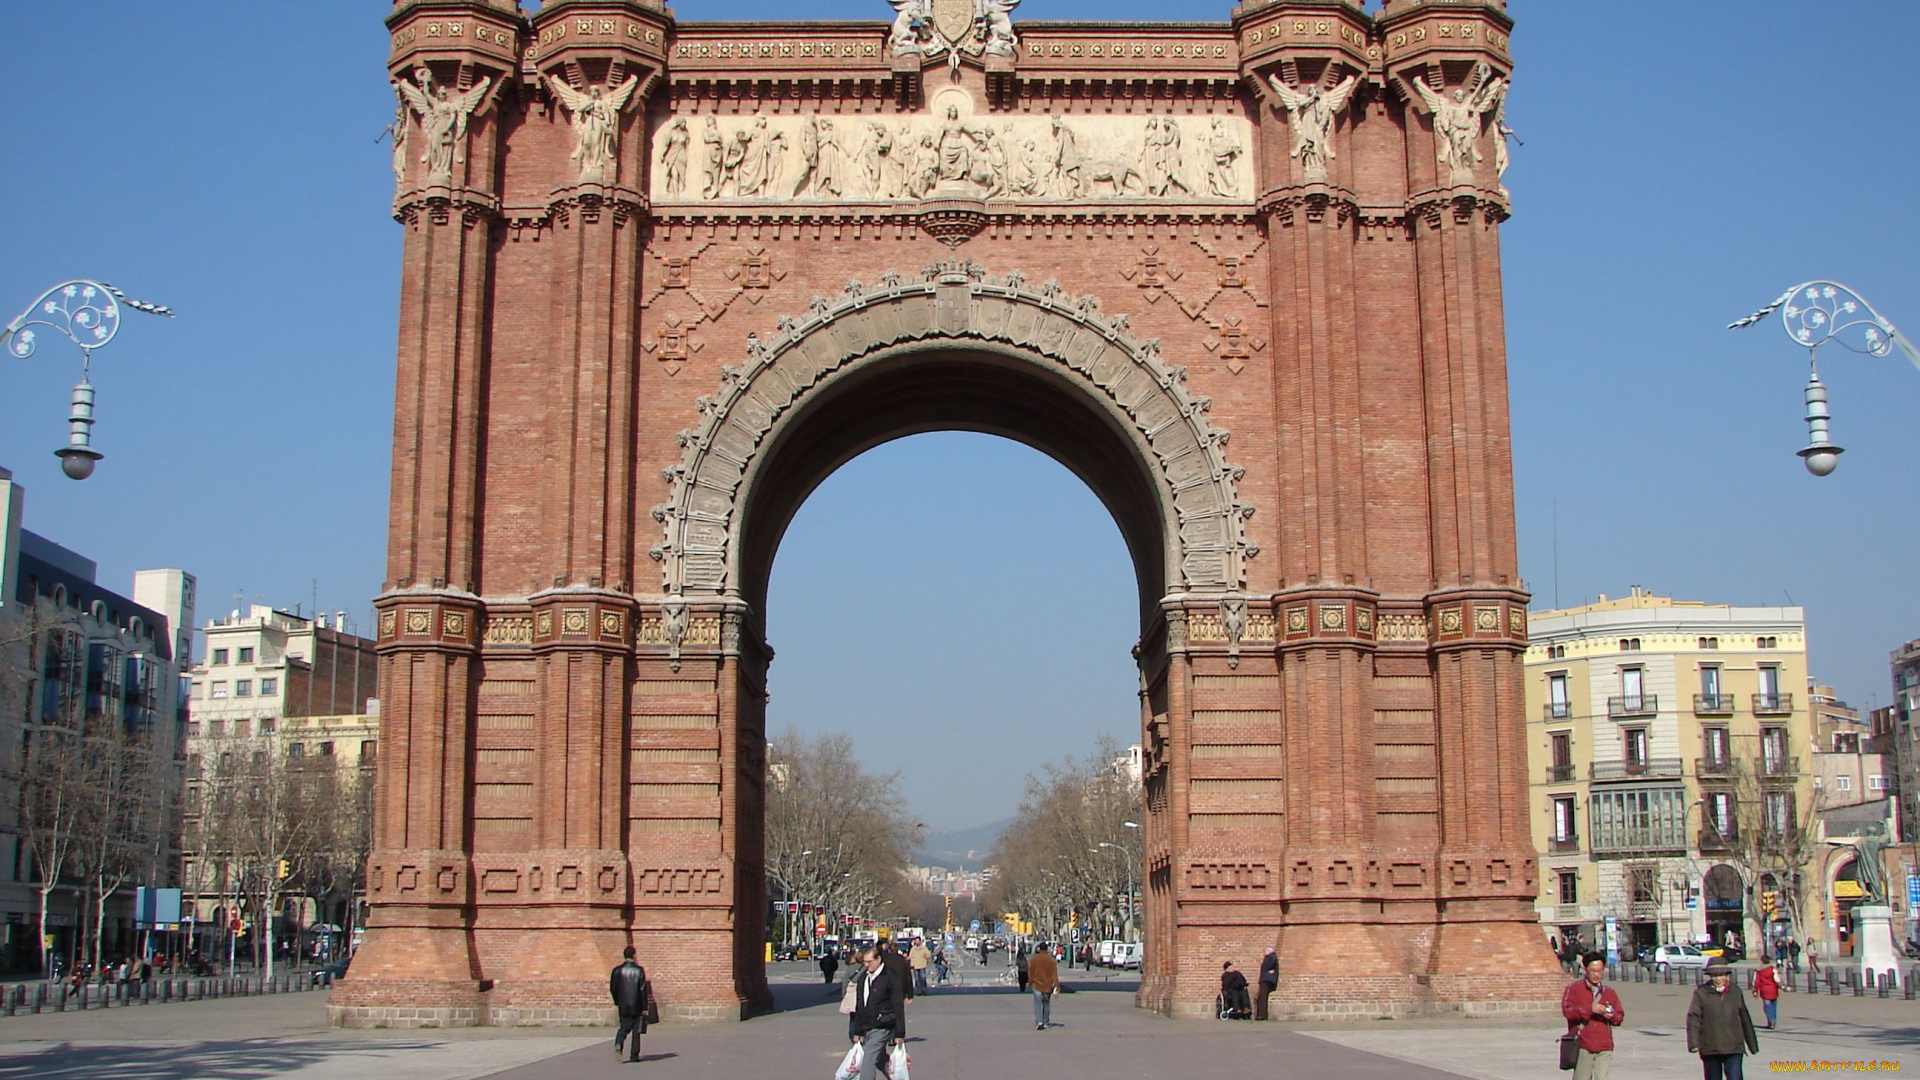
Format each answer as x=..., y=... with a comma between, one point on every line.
x=979, y=1031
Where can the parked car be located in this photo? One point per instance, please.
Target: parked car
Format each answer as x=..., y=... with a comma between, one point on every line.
x=1680, y=956
x=1103, y=952
x=1128, y=954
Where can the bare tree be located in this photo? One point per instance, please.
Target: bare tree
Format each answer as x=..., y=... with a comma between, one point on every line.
x=126, y=798
x=1069, y=850
x=52, y=796
x=837, y=836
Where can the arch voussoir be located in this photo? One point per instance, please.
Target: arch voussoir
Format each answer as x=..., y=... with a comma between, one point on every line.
x=955, y=301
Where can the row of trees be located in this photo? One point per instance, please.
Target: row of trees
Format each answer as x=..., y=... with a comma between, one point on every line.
x=838, y=837
x=1074, y=848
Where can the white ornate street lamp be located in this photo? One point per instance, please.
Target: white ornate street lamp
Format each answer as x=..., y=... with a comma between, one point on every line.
x=88, y=313
x=1814, y=313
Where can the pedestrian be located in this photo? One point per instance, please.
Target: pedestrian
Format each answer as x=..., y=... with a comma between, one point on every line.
x=1086, y=956
x=1269, y=982
x=628, y=985
x=1768, y=980
x=1593, y=1010
x=1719, y=1028
x=829, y=966
x=896, y=963
x=918, y=958
x=1020, y=962
x=1793, y=956
x=879, y=1017
x=1043, y=975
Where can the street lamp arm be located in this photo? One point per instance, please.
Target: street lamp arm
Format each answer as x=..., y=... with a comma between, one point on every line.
x=86, y=312
x=1815, y=312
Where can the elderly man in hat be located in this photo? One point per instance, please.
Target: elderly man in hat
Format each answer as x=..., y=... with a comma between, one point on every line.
x=1719, y=1028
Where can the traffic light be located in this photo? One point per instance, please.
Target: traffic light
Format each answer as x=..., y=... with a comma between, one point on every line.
x=1769, y=902
x=285, y=869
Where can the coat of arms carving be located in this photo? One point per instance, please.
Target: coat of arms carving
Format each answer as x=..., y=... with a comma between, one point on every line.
x=933, y=28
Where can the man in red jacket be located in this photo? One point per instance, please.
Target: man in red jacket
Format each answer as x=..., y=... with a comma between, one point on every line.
x=1593, y=1009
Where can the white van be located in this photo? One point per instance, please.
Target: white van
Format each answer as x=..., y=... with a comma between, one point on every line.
x=1103, y=952
x=1129, y=955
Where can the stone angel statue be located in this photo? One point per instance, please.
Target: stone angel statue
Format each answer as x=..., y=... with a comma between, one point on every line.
x=443, y=121
x=596, y=124
x=1456, y=121
x=1311, y=112
x=995, y=19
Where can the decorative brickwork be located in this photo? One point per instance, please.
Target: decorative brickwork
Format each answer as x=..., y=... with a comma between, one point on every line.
x=659, y=280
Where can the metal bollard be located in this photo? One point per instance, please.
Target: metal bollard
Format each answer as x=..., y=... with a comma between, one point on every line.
x=39, y=999
x=1908, y=985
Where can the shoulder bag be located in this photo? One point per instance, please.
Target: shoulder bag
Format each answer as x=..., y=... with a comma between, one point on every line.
x=1570, y=1049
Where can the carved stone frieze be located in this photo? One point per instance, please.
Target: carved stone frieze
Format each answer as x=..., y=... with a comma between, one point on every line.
x=1196, y=483
x=948, y=151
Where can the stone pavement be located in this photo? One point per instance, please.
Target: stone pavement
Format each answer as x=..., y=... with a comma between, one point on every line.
x=972, y=1033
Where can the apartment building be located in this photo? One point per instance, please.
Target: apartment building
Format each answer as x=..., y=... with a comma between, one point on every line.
x=1663, y=736
x=76, y=655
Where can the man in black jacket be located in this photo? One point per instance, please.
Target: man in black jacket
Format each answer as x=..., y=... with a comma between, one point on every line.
x=879, y=1017
x=1269, y=982
x=628, y=984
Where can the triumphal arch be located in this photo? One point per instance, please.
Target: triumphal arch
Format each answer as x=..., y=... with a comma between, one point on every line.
x=662, y=277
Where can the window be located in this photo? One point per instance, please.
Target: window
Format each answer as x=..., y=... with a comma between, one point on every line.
x=243, y=688
x=240, y=728
x=1719, y=808
x=216, y=728
x=1714, y=746
x=219, y=688
x=1556, y=652
x=1709, y=642
x=296, y=750
x=1843, y=783
x=1710, y=681
x=1773, y=750
x=1846, y=742
x=1767, y=643
x=1559, y=704
x=1629, y=644
x=1570, y=887
x=199, y=691
x=1563, y=820
x=266, y=725
x=1769, y=683
x=1633, y=682
x=1636, y=748
x=246, y=654
x=1779, y=811
x=1560, y=744
x=1637, y=819
x=1640, y=881
x=193, y=729
x=326, y=748
x=1876, y=783
x=219, y=656
x=269, y=687
x=369, y=751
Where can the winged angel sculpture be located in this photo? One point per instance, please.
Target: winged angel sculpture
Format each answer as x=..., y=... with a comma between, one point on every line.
x=443, y=121
x=1456, y=120
x=1311, y=112
x=596, y=124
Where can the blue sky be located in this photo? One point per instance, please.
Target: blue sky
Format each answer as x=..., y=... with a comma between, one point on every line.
x=1683, y=163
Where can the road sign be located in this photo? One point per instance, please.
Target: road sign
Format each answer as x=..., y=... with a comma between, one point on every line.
x=974, y=927
x=1913, y=892
x=1693, y=902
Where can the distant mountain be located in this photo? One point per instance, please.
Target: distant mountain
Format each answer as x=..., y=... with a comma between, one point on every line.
x=961, y=849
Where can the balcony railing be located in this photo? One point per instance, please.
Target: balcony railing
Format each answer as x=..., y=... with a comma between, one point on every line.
x=1636, y=770
x=1633, y=705
x=1772, y=704
x=1713, y=767
x=1713, y=704
x=1560, y=774
x=1712, y=839
x=1562, y=845
x=1779, y=768
x=1556, y=710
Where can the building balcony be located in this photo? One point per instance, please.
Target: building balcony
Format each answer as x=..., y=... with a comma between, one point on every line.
x=1712, y=839
x=1772, y=704
x=1779, y=768
x=1561, y=774
x=1662, y=768
x=1714, y=768
x=1556, y=710
x=1633, y=705
x=1713, y=704
x=1563, y=845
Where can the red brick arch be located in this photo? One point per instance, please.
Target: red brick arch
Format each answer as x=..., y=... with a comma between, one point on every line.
x=625, y=360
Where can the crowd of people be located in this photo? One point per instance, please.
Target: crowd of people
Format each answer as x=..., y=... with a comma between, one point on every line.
x=1720, y=1028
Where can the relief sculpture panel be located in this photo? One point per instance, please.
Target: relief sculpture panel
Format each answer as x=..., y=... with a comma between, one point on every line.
x=950, y=151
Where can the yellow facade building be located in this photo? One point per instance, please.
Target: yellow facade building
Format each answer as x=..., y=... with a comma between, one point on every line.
x=1669, y=750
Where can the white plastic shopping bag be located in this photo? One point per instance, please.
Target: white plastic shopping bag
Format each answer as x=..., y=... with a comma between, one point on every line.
x=849, y=1066
x=897, y=1064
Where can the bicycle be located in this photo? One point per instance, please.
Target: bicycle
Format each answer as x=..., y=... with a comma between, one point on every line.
x=949, y=976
